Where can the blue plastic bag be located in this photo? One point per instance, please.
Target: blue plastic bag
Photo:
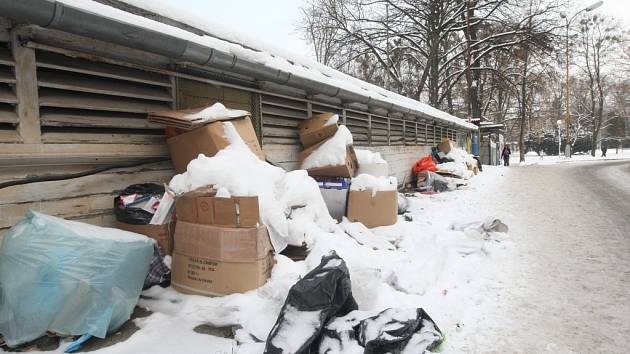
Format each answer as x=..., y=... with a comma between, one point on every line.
x=68, y=277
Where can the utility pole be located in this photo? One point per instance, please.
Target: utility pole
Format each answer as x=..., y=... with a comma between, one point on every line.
x=568, y=88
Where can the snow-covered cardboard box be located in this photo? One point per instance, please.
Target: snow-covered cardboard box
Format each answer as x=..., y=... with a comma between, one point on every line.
x=203, y=206
x=373, y=201
x=208, y=140
x=445, y=146
x=214, y=261
x=371, y=163
x=162, y=234
x=318, y=128
x=333, y=157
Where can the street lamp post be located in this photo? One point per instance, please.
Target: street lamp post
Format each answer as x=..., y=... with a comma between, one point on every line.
x=559, y=122
x=568, y=98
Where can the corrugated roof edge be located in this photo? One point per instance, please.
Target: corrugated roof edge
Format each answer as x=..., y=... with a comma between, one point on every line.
x=300, y=67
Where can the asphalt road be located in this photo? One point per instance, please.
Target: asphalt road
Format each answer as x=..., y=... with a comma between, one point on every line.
x=569, y=291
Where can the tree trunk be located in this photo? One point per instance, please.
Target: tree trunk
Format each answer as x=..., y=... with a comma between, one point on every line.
x=523, y=118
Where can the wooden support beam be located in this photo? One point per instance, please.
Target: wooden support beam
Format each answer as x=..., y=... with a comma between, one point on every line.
x=26, y=91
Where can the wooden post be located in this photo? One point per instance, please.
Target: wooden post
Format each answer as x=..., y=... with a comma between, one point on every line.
x=26, y=91
x=369, y=129
x=389, y=132
x=404, y=131
x=416, y=122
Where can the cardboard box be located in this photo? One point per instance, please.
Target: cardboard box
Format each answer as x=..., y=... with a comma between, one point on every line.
x=213, y=261
x=163, y=234
x=204, y=276
x=445, y=146
x=378, y=210
x=315, y=130
x=348, y=169
x=222, y=243
x=208, y=140
x=203, y=207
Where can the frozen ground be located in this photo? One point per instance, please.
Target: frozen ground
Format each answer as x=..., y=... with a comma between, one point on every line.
x=558, y=282
x=532, y=158
x=454, y=275
x=570, y=291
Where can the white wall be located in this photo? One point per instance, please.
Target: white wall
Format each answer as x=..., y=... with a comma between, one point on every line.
x=399, y=158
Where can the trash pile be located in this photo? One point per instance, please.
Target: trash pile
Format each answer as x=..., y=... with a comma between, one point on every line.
x=354, y=184
x=218, y=228
x=445, y=169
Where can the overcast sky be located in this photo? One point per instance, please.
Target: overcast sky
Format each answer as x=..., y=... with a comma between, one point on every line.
x=275, y=20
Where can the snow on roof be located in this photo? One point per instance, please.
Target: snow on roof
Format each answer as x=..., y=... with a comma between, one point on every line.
x=256, y=50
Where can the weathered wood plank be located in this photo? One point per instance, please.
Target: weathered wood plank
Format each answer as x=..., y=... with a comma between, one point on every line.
x=64, y=99
x=47, y=154
x=6, y=75
x=71, y=118
x=60, y=80
x=26, y=90
x=101, y=138
x=62, y=62
x=9, y=136
x=64, y=208
x=8, y=115
x=5, y=57
x=102, y=183
x=7, y=95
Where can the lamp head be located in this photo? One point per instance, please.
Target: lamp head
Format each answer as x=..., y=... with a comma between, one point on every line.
x=594, y=6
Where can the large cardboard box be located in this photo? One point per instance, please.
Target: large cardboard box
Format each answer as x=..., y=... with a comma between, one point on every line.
x=202, y=208
x=204, y=276
x=222, y=243
x=348, y=169
x=378, y=210
x=208, y=140
x=316, y=129
x=213, y=261
x=163, y=234
x=445, y=146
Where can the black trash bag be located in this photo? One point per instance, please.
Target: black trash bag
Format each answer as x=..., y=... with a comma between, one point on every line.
x=137, y=216
x=391, y=331
x=323, y=293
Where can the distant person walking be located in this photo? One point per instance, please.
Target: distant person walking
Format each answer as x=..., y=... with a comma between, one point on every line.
x=604, y=147
x=506, y=155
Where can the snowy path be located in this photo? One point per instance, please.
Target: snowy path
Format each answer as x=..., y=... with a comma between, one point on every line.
x=570, y=290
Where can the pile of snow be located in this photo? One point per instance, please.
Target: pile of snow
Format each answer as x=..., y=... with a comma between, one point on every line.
x=332, y=152
x=217, y=112
x=459, y=165
x=368, y=157
x=334, y=119
x=458, y=169
x=461, y=156
x=365, y=182
x=236, y=171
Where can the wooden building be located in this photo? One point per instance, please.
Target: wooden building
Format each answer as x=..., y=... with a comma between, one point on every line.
x=78, y=77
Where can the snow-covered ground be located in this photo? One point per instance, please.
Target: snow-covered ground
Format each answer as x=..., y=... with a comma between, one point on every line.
x=531, y=158
x=452, y=274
